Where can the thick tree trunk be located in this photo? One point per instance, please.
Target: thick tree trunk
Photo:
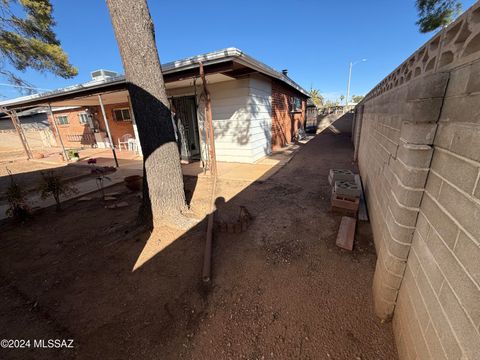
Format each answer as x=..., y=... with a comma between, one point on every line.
x=135, y=35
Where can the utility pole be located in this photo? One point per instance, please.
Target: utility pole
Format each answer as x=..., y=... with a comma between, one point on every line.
x=350, y=78
x=348, y=85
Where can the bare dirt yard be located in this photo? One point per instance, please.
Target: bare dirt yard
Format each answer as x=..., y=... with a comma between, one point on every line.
x=280, y=290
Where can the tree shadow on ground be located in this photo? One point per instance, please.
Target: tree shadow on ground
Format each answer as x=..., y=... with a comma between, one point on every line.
x=90, y=275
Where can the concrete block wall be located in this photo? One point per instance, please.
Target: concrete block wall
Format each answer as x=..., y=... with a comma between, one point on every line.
x=394, y=157
x=439, y=299
x=419, y=156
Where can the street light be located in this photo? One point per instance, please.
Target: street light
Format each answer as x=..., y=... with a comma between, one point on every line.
x=350, y=78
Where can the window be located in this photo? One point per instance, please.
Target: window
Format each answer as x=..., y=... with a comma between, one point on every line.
x=62, y=120
x=122, y=114
x=83, y=118
x=296, y=104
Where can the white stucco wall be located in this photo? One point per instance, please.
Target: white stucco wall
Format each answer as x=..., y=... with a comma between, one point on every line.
x=241, y=111
x=242, y=118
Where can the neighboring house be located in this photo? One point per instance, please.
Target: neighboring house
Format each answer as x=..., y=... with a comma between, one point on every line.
x=255, y=108
x=35, y=126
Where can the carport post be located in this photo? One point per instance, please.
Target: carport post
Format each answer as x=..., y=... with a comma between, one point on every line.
x=108, y=129
x=65, y=156
x=135, y=129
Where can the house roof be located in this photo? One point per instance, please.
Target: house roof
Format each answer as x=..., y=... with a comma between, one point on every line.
x=230, y=60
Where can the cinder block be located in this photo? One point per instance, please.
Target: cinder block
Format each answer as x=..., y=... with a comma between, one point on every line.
x=464, y=288
x=444, y=135
x=340, y=174
x=414, y=155
x=473, y=84
x=382, y=308
x=408, y=176
x=441, y=222
x=463, y=109
x=402, y=215
x=434, y=345
x=429, y=86
x=434, y=184
x=418, y=133
x=413, y=263
x=468, y=253
x=462, y=209
x=456, y=170
x=396, y=248
x=402, y=233
x=393, y=265
x=427, y=110
x=347, y=188
x=467, y=333
x=422, y=227
x=458, y=81
x=465, y=140
x=406, y=196
x=428, y=263
x=438, y=318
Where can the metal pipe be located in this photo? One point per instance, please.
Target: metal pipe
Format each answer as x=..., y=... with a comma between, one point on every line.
x=64, y=152
x=18, y=127
x=207, y=259
x=108, y=129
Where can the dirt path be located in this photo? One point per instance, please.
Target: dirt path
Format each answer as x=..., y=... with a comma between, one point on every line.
x=281, y=290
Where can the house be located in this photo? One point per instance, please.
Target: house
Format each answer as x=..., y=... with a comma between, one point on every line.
x=255, y=109
x=35, y=126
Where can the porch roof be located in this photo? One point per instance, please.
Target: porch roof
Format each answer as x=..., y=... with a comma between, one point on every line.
x=220, y=65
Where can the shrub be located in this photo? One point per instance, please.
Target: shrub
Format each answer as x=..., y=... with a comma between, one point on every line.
x=17, y=205
x=52, y=184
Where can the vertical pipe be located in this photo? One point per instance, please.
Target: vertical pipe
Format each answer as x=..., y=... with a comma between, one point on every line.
x=64, y=152
x=108, y=129
x=207, y=259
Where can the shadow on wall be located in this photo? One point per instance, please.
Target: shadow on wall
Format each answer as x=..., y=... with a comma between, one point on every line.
x=335, y=123
x=246, y=125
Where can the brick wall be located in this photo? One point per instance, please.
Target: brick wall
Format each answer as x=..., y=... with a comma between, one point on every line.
x=117, y=128
x=418, y=142
x=284, y=123
x=74, y=134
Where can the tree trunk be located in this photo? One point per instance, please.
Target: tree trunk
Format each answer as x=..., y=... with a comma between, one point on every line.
x=135, y=35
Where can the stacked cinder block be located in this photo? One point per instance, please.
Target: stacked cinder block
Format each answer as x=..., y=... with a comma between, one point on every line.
x=345, y=192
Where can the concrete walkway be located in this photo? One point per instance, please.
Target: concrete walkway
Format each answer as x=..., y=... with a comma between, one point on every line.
x=131, y=164
x=84, y=186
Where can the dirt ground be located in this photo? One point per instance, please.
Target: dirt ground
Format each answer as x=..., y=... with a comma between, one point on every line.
x=280, y=290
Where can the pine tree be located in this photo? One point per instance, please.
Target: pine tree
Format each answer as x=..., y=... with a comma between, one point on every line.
x=436, y=13
x=135, y=34
x=29, y=41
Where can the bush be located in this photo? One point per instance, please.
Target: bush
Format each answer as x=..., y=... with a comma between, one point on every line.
x=52, y=184
x=17, y=205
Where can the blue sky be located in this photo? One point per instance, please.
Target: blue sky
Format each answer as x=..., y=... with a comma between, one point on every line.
x=315, y=40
